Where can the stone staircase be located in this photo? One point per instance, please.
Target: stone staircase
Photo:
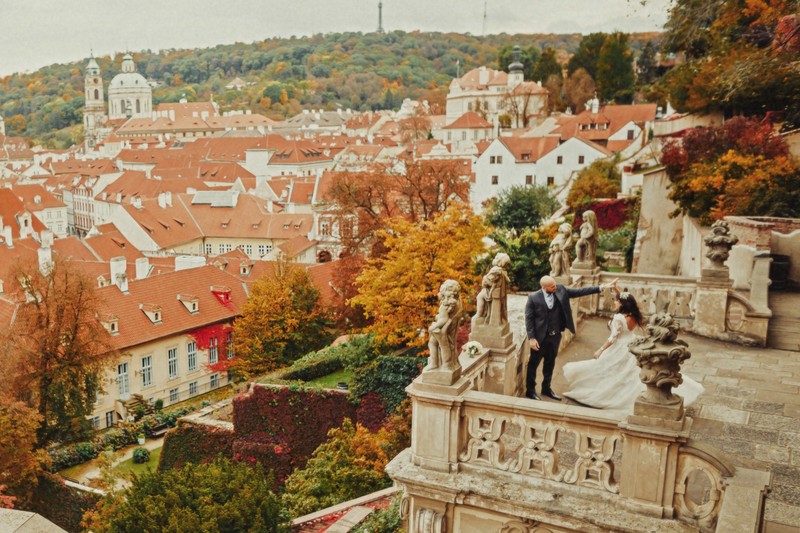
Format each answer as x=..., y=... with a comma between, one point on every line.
x=784, y=326
x=137, y=400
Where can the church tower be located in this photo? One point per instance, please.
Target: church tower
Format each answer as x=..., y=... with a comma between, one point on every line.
x=94, y=104
x=515, y=69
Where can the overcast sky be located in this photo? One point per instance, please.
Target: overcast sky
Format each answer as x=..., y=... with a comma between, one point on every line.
x=36, y=33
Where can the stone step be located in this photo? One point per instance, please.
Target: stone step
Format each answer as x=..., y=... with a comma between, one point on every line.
x=784, y=334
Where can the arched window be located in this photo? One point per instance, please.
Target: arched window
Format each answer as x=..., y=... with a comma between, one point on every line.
x=138, y=106
x=96, y=94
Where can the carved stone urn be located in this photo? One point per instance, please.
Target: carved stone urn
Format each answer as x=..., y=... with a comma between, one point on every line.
x=660, y=355
x=719, y=242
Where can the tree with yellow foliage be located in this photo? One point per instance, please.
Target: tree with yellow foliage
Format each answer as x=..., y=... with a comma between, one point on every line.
x=397, y=290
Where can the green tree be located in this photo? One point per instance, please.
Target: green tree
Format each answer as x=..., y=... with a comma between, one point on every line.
x=209, y=497
x=57, y=348
x=519, y=207
x=281, y=321
x=646, y=64
x=587, y=54
x=348, y=465
x=615, y=77
x=529, y=253
x=528, y=57
x=546, y=66
x=601, y=179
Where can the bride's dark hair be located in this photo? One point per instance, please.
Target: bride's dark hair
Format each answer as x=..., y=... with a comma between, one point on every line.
x=628, y=306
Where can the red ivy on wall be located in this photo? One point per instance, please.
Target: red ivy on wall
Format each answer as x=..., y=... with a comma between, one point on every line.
x=611, y=214
x=203, y=337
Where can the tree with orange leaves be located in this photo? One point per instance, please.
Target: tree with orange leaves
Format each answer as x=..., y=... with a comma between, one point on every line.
x=56, y=348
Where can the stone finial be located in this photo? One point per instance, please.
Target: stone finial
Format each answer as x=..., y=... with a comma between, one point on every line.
x=660, y=354
x=559, y=251
x=586, y=246
x=719, y=242
x=443, y=366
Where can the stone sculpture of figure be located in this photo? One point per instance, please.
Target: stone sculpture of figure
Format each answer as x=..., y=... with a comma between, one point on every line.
x=719, y=242
x=559, y=251
x=493, y=297
x=444, y=328
x=586, y=247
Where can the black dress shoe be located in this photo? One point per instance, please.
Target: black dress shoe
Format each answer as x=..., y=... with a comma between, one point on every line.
x=532, y=395
x=552, y=395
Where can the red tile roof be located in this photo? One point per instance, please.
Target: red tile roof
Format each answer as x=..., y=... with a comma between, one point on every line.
x=469, y=120
x=28, y=194
x=10, y=207
x=529, y=149
x=471, y=80
x=134, y=326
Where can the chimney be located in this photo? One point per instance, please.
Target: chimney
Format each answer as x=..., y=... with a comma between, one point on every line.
x=483, y=76
x=162, y=203
x=168, y=198
x=142, y=268
x=118, y=275
x=186, y=262
x=45, y=260
x=595, y=105
x=8, y=237
x=46, y=238
x=136, y=202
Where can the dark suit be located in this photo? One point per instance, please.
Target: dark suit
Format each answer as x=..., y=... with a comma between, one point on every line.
x=536, y=324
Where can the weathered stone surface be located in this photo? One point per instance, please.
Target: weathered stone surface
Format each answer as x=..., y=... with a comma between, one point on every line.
x=784, y=423
x=781, y=513
x=736, y=431
x=724, y=414
x=772, y=454
x=764, y=407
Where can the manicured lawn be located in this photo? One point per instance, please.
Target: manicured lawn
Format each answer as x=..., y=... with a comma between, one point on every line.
x=331, y=380
x=128, y=467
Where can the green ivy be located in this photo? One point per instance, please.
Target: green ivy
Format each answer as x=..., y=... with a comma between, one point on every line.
x=388, y=376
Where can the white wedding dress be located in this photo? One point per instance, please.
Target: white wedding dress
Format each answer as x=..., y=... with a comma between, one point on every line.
x=612, y=380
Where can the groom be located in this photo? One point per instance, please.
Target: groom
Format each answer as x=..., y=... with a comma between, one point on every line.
x=547, y=314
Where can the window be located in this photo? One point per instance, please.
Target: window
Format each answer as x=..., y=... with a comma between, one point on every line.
x=551, y=181
x=560, y=160
x=109, y=418
x=495, y=180
x=528, y=180
x=324, y=227
x=208, y=249
x=95, y=422
x=122, y=380
x=262, y=250
x=248, y=249
x=229, y=344
x=174, y=395
x=464, y=135
x=581, y=159
x=492, y=160
x=213, y=381
x=172, y=362
x=228, y=247
x=147, y=371
x=499, y=159
x=269, y=248
x=630, y=135
x=213, y=356
x=193, y=388
x=221, y=248
x=191, y=356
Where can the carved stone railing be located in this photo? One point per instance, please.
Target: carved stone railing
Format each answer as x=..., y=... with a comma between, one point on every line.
x=565, y=444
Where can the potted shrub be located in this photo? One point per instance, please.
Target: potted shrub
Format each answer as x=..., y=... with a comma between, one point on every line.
x=140, y=438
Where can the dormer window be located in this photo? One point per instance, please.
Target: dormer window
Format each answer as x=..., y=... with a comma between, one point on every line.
x=190, y=302
x=222, y=293
x=110, y=322
x=152, y=311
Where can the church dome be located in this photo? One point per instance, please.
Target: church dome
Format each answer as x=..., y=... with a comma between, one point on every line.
x=128, y=78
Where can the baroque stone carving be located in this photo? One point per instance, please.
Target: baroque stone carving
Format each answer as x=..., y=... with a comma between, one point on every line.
x=533, y=450
x=699, y=489
x=443, y=330
x=492, y=305
x=719, y=242
x=429, y=521
x=586, y=247
x=660, y=354
x=518, y=526
x=559, y=251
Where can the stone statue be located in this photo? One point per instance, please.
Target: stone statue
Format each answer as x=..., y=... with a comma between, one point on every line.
x=719, y=242
x=492, y=306
x=586, y=247
x=559, y=251
x=444, y=328
x=660, y=354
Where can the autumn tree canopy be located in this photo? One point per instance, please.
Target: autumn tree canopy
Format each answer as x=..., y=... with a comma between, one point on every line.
x=281, y=321
x=57, y=348
x=601, y=179
x=20, y=461
x=397, y=290
x=741, y=168
x=741, y=57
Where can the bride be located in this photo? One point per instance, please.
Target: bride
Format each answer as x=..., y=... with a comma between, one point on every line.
x=611, y=379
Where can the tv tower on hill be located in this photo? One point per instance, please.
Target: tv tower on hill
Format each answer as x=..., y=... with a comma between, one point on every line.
x=380, y=17
x=484, y=19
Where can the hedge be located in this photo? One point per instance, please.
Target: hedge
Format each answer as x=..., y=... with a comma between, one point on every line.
x=60, y=504
x=388, y=376
x=194, y=443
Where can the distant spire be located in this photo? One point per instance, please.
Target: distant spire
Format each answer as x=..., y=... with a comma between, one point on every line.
x=484, y=19
x=380, y=17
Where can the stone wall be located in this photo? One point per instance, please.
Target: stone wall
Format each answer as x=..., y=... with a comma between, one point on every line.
x=658, y=237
